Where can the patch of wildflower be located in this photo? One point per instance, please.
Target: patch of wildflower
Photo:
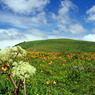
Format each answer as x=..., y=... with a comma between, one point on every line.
x=7, y=55
x=19, y=69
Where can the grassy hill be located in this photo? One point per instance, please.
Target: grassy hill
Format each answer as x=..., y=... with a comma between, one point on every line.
x=59, y=45
x=63, y=67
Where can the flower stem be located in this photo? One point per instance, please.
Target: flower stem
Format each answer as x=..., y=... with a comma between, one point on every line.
x=15, y=87
x=24, y=87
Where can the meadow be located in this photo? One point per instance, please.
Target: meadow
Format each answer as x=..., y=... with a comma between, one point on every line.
x=64, y=67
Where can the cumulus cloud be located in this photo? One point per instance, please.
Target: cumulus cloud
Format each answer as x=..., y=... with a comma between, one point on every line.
x=89, y=37
x=77, y=29
x=38, y=33
x=11, y=37
x=91, y=14
x=63, y=27
x=22, y=21
x=56, y=32
x=64, y=12
x=73, y=28
x=64, y=21
x=25, y=6
x=10, y=34
x=91, y=10
x=63, y=18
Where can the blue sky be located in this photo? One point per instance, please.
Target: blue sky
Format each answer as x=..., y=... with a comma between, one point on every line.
x=29, y=20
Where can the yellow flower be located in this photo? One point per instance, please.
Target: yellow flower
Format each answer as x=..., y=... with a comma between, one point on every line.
x=40, y=64
x=60, y=57
x=86, y=53
x=63, y=64
x=6, y=79
x=53, y=82
x=48, y=82
x=49, y=63
x=41, y=71
x=4, y=69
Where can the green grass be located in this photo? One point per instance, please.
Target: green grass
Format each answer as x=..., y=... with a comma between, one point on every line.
x=56, y=66
x=57, y=45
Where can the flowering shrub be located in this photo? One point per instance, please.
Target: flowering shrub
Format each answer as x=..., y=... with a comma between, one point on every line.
x=21, y=70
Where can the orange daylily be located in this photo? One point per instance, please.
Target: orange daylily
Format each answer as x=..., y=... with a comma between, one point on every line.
x=4, y=69
x=86, y=53
x=49, y=63
x=40, y=64
x=41, y=71
x=53, y=82
x=48, y=82
x=6, y=79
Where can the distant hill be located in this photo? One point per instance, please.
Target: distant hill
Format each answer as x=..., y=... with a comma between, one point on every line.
x=58, y=45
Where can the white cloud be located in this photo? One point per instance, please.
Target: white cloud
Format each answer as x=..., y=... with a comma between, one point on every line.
x=11, y=37
x=10, y=34
x=63, y=27
x=29, y=37
x=38, y=33
x=91, y=17
x=91, y=14
x=77, y=29
x=66, y=6
x=89, y=37
x=25, y=6
x=65, y=22
x=40, y=18
x=91, y=10
x=22, y=21
x=73, y=28
x=56, y=32
x=64, y=12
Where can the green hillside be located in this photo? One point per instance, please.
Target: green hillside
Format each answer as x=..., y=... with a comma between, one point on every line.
x=59, y=45
x=63, y=67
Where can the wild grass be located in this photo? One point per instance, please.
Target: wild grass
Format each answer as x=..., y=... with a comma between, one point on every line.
x=57, y=45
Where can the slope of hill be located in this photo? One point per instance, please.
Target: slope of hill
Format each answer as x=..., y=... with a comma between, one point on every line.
x=58, y=45
x=59, y=73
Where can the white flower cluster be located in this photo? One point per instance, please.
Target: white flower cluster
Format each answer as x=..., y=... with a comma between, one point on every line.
x=23, y=70
x=8, y=54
